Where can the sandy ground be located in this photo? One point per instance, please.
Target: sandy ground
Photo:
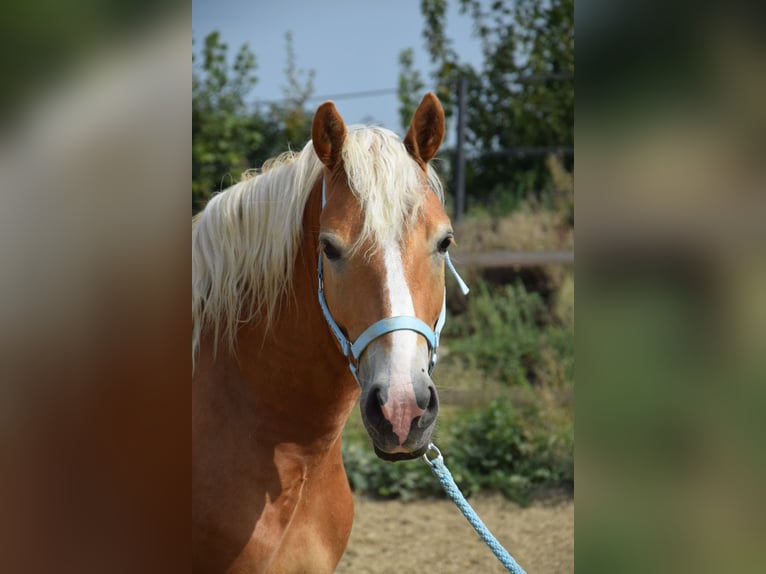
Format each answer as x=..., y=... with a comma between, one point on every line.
x=433, y=536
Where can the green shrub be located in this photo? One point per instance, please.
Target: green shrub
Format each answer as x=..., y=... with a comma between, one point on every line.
x=501, y=448
x=509, y=334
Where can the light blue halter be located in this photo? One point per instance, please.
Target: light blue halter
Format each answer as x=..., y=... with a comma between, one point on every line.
x=353, y=351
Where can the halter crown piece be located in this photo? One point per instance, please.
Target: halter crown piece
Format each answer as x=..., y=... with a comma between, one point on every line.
x=354, y=350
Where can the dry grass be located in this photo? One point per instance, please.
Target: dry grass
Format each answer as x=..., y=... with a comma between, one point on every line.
x=563, y=301
x=530, y=228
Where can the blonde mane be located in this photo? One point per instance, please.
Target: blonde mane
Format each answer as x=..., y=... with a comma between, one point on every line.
x=245, y=241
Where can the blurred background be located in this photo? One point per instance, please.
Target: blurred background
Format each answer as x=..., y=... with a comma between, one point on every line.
x=94, y=273
x=671, y=137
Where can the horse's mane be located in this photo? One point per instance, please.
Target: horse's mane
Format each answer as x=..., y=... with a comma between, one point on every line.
x=245, y=241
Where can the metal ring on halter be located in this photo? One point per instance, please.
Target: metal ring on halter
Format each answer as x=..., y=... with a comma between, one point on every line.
x=430, y=461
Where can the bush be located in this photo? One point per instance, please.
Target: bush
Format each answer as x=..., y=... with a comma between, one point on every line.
x=500, y=448
x=509, y=334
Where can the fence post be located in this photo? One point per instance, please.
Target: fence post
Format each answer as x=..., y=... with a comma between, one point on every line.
x=459, y=171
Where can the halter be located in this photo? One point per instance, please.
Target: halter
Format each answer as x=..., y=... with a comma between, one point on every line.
x=353, y=351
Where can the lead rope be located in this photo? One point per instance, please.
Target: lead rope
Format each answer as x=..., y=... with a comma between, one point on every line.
x=450, y=487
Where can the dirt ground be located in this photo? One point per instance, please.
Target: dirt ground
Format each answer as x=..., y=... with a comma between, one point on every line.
x=433, y=536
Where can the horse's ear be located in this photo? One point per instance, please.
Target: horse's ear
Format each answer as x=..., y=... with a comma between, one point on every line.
x=328, y=131
x=426, y=131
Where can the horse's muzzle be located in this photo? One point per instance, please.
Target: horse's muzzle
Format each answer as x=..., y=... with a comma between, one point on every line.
x=400, y=417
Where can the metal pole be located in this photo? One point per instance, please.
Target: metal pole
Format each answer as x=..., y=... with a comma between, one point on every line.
x=459, y=175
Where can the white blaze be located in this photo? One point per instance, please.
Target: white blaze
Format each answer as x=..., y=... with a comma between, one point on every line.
x=401, y=406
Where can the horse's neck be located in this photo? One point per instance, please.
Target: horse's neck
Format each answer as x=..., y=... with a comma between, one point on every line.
x=294, y=372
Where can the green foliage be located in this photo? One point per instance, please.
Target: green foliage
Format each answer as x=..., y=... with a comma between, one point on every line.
x=229, y=135
x=503, y=449
x=522, y=95
x=497, y=448
x=509, y=334
x=223, y=132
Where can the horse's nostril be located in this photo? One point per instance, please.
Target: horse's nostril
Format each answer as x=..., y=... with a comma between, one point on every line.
x=432, y=408
x=433, y=401
x=372, y=406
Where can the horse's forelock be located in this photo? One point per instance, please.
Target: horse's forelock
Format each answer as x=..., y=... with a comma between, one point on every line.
x=388, y=182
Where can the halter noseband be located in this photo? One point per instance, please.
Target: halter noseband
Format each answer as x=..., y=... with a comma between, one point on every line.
x=353, y=351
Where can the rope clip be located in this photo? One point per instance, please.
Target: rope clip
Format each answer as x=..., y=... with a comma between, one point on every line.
x=430, y=461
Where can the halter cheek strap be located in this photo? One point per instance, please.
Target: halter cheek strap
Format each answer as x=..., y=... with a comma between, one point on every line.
x=353, y=351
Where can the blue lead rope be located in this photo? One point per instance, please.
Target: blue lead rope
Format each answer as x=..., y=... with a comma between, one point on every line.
x=448, y=483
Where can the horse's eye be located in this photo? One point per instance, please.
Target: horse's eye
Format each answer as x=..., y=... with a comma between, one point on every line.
x=445, y=243
x=331, y=252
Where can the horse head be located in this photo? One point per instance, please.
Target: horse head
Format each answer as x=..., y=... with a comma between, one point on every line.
x=383, y=240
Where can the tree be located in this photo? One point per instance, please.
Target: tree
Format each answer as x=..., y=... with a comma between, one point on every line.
x=229, y=133
x=521, y=97
x=222, y=129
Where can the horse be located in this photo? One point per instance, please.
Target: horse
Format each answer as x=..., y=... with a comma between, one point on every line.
x=315, y=282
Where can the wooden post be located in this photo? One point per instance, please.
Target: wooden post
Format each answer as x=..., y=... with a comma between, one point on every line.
x=459, y=171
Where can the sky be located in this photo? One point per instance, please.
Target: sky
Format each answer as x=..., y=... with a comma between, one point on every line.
x=352, y=45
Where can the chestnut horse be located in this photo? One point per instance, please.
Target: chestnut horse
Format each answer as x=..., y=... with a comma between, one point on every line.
x=290, y=269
